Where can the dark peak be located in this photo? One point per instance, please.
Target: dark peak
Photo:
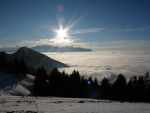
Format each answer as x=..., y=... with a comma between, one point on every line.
x=23, y=49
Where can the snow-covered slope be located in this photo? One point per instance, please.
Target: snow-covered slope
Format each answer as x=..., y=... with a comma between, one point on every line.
x=9, y=104
x=11, y=85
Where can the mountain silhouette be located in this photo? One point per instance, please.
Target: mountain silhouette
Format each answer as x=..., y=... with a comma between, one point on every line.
x=36, y=60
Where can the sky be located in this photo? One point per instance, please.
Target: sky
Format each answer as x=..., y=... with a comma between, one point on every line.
x=26, y=22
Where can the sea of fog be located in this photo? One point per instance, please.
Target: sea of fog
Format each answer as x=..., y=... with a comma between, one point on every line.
x=106, y=62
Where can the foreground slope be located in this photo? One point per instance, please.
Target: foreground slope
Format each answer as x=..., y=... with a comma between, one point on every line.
x=10, y=104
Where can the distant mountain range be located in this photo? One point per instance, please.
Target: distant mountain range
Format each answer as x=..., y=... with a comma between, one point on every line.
x=50, y=48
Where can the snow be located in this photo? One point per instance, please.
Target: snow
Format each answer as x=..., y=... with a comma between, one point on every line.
x=21, y=90
x=10, y=85
x=67, y=105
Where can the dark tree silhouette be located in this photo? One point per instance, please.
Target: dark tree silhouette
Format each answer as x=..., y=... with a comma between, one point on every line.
x=105, y=89
x=40, y=83
x=63, y=85
x=119, y=88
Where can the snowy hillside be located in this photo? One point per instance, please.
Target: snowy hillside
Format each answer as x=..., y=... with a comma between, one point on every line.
x=11, y=85
x=9, y=104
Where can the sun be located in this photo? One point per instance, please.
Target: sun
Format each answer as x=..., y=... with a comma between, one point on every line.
x=65, y=35
x=62, y=32
x=62, y=36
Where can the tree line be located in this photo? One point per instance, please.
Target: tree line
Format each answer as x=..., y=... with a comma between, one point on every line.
x=61, y=84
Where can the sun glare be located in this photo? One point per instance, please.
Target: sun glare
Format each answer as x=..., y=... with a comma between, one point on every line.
x=62, y=32
x=62, y=36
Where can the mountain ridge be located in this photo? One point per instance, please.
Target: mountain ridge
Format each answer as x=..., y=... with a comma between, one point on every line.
x=37, y=58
